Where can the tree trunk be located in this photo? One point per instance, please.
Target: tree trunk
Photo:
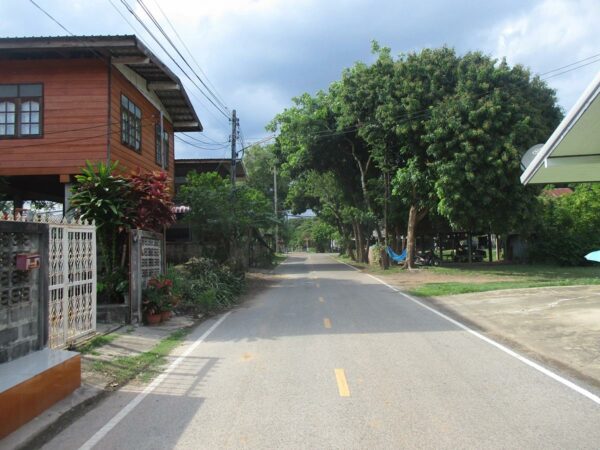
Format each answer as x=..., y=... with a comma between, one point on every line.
x=497, y=247
x=470, y=247
x=363, y=185
x=357, y=240
x=414, y=217
x=410, y=238
x=364, y=250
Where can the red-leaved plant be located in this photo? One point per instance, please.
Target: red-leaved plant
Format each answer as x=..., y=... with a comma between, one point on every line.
x=152, y=199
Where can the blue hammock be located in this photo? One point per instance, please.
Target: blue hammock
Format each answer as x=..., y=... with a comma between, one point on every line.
x=395, y=256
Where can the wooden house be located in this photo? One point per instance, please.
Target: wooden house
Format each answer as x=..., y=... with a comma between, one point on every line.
x=68, y=100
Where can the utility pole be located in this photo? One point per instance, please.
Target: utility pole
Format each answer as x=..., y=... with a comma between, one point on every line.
x=275, y=205
x=234, y=124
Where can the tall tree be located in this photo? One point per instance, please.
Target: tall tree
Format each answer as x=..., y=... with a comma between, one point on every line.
x=310, y=138
x=390, y=103
x=476, y=138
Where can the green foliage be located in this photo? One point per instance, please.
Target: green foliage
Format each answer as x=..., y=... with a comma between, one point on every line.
x=99, y=341
x=144, y=365
x=569, y=226
x=102, y=195
x=225, y=213
x=260, y=162
x=315, y=231
x=158, y=297
x=476, y=138
x=455, y=288
x=448, y=130
x=205, y=286
x=116, y=203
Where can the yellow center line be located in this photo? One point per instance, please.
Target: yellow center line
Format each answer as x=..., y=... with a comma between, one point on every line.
x=327, y=322
x=340, y=377
x=321, y=299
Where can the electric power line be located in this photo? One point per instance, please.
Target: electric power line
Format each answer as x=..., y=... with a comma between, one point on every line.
x=166, y=36
x=572, y=69
x=569, y=65
x=204, y=142
x=191, y=55
x=142, y=23
x=191, y=144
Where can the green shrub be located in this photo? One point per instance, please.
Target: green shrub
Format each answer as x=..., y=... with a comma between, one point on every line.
x=569, y=227
x=205, y=286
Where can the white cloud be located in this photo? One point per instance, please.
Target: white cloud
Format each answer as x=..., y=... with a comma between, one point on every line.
x=552, y=34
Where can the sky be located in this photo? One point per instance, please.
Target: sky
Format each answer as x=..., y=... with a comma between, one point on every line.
x=256, y=55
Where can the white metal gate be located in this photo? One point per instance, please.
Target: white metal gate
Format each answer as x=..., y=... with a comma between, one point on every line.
x=72, y=282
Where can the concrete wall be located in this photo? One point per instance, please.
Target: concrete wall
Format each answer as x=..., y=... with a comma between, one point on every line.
x=23, y=295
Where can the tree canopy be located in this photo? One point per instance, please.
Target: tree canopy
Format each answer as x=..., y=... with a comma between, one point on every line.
x=429, y=133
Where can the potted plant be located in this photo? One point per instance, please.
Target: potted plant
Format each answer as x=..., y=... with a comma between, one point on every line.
x=158, y=299
x=151, y=307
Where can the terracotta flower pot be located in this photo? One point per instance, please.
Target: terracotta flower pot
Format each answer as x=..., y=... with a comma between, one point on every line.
x=153, y=319
x=165, y=315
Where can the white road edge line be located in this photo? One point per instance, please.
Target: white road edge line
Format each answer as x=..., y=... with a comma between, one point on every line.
x=91, y=442
x=499, y=346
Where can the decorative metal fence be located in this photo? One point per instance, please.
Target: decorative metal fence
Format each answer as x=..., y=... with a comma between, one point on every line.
x=72, y=281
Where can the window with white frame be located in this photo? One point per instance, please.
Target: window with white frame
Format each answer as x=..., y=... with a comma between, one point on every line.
x=21, y=110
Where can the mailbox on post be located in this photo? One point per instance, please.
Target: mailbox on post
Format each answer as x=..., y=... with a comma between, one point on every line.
x=28, y=261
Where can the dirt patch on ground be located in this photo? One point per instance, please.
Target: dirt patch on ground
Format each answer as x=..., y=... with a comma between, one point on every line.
x=409, y=279
x=256, y=282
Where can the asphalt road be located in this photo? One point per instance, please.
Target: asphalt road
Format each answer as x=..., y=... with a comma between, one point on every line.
x=329, y=358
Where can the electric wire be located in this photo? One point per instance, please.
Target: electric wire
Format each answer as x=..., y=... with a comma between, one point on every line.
x=143, y=24
x=188, y=89
x=170, y=41
x=191, y=144
x=572, y=69
x=203, y=142
x=190, y=53
x=569, y=65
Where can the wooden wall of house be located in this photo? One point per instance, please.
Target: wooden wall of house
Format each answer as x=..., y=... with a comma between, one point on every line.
x=75, y=111
x=127, y=157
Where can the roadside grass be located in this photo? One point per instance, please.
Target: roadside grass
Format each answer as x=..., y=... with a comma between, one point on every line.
x=278, y=258
x=143, y=366
x=509, y=276
x=454, y=288
x=99, y=341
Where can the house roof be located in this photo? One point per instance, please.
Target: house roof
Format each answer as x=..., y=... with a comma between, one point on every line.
x=557, y=192
x=126, y=50
x=572, y=153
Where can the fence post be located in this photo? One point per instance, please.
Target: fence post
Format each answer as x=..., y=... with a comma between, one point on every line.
x=135, y=283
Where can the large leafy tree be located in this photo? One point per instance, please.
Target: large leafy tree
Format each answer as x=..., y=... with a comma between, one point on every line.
x=390, y=102
x=443, y=132
x=476, y=138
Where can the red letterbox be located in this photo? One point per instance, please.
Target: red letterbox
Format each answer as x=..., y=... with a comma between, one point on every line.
x=28, y=261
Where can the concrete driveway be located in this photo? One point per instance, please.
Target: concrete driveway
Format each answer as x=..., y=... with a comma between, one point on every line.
x=559, y=324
